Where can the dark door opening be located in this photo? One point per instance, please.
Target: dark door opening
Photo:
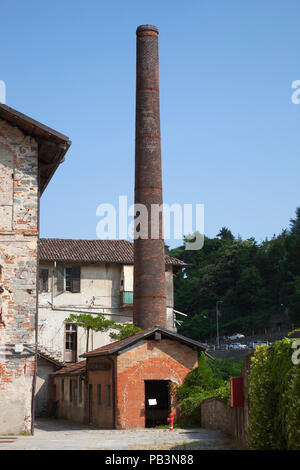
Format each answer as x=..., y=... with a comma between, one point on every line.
x=157, y=402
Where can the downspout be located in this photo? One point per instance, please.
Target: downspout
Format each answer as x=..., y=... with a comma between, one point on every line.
x=52, y=291
x=36, y=307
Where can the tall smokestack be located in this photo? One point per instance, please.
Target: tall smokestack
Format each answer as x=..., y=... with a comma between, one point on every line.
x=149, y=306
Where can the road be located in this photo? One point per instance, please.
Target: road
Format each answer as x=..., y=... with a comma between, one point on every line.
x=57, y=434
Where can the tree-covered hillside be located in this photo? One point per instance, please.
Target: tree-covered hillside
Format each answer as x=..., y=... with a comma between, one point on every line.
x=253, y=281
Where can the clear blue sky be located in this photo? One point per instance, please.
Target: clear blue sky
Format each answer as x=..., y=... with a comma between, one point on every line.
x=230, y=133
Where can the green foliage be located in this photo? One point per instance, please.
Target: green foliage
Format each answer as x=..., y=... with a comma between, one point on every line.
x=254, y=281
x=206, y=381
x=100, y=323
x=93, y=322
x=274, y=392
x=125, y=331
x=224, y=369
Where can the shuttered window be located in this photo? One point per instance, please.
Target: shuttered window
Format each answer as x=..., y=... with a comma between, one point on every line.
x=73, y=279
x=59, y=280
x=43, y=280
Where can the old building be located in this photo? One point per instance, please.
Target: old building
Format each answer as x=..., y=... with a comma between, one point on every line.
x=88, y=276
x=29, y=155
x=127, y=384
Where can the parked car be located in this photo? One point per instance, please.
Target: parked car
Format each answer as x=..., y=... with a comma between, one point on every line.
x=236, y=336
x=237, y=346
x=258, y=343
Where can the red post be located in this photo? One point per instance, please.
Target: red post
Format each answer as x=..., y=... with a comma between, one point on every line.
x=171, y=421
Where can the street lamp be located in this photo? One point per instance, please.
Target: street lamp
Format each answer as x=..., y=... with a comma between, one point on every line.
x=217, y=315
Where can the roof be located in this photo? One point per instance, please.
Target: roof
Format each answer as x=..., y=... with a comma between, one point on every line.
x=74, y=369
x=92, y=251
x=117, y=346
x=51, y=144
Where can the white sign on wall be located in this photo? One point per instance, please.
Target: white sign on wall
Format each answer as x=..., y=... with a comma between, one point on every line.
x=2, y=92
x=152, y=401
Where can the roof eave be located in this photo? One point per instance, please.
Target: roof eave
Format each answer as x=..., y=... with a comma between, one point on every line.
x=52, y=145
x=144, y=334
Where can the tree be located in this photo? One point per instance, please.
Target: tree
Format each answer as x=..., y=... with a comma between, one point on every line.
x=225, y=234
x=295, y=224
x=99, y=323
x=125, y=331
x=90, y=322
x=253, y=280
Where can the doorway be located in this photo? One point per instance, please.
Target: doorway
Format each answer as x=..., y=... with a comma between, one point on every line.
x=157, y=402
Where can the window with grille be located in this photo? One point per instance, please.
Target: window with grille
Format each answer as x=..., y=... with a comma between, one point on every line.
x=80, y=390
x=99, y=394
x=72, y=276
x=108, y=395
x=71, y=336
x=43, y=280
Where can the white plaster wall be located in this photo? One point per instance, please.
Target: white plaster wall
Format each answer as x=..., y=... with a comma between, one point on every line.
x=100, y=293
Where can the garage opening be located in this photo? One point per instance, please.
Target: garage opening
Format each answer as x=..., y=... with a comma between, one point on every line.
x=157, y=402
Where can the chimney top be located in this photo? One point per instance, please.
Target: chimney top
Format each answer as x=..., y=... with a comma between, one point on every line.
x=146, y=27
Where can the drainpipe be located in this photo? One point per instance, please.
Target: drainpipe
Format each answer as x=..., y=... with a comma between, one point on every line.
x=36, y=313
x=52, y=292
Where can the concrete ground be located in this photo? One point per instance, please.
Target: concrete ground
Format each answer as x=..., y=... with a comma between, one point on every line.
x=58, y=434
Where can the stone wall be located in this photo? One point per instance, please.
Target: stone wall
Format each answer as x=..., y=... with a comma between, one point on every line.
x=18, y=274
x=216, y=415
x=233, y=421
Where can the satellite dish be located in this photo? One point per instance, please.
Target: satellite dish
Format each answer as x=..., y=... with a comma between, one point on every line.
x=2, y=92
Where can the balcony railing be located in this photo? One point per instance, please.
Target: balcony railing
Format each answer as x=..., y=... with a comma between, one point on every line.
x=126, y=298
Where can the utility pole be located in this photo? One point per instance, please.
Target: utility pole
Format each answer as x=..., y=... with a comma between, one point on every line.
x=217, y=315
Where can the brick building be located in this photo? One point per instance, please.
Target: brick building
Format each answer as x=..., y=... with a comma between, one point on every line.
x=93, y=277
x=29, y=155
x=126, y=384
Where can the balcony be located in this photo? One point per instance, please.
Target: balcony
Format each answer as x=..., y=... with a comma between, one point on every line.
x=126, y=298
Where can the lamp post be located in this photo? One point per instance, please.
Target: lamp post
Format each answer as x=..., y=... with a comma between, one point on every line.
x=217, y=315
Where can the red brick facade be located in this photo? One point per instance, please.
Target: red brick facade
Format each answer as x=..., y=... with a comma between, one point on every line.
x=121, y=369
x=149, y=360
x=149, y=305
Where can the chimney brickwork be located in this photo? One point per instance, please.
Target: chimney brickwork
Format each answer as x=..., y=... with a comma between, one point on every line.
x=149, y=307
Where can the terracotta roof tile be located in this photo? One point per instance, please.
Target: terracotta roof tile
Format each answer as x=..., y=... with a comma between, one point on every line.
x=92, y=251
x=73, y=369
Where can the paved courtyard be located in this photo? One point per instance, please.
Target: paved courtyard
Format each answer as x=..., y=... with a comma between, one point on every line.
x=58, y=434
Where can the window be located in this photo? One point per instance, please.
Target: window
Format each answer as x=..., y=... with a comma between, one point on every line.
x=71, y=390
x=71, y=343
x=72, y=276
x=63, y=389
x=99, y=394
x=108, y=395
x=80, y=390
x=43, y=280
x=75, y=390
x=71, y=336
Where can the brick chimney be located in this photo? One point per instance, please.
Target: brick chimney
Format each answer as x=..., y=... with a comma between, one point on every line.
x=149, y=305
